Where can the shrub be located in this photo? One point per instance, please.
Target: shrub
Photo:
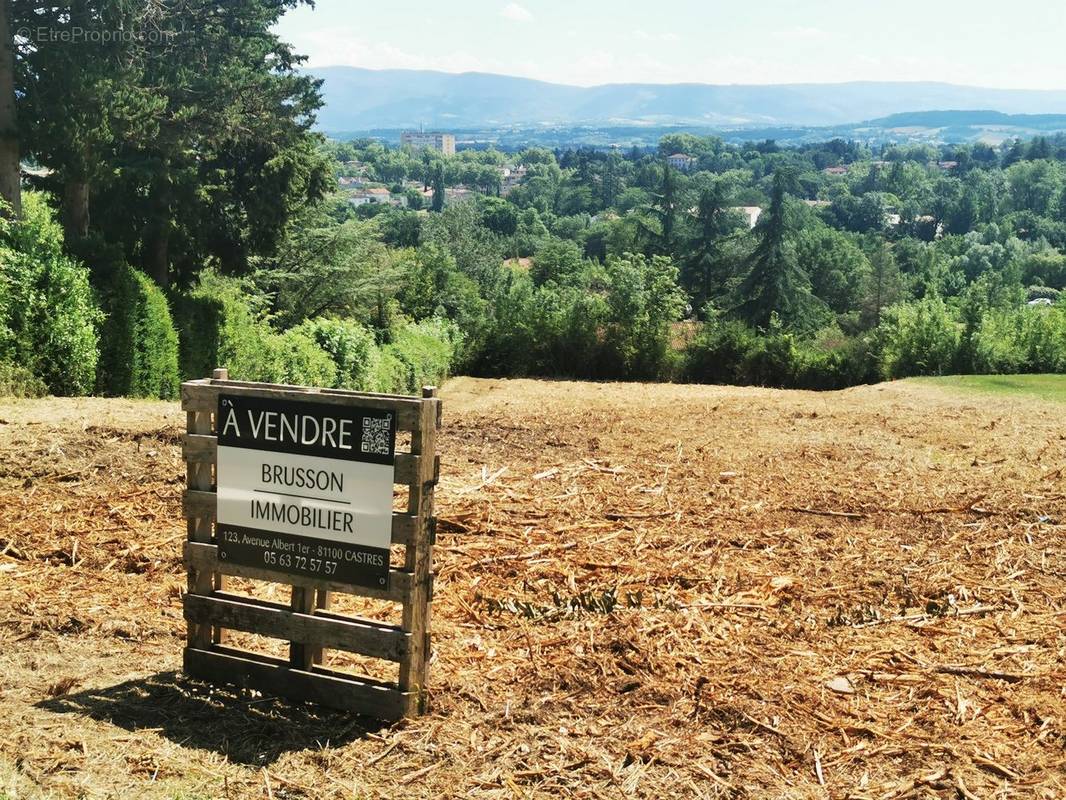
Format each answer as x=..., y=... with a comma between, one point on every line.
x=389, y=375
x=351, y=348
x=139, y=345
x=48, y=313
x=850, y=362
x=297, y=359
x=223, y=325
x=643, y=299
x=717, y=352
x=771, y=361
x=1021, y=340
x=565, y=323
x=727, y=351
x=425, y=350
x=1042, y=293
x=16, y=381
x=920, y=338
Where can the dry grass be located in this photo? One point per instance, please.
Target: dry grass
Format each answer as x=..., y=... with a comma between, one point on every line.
x=643, y=591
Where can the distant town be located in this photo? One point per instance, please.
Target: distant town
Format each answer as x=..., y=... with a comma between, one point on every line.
x=361, y=190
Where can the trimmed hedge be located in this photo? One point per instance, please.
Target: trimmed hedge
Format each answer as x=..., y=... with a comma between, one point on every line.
x=139, y=345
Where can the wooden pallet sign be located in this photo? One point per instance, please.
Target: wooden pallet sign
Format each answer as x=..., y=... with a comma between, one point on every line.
x=293, y=485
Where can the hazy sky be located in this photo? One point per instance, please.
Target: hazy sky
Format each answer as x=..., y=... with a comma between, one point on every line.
x=999, y=43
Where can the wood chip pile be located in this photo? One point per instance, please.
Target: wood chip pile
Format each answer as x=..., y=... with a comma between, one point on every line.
x=642, y=591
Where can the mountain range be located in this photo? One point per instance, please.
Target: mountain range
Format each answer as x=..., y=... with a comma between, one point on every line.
x=359, y=99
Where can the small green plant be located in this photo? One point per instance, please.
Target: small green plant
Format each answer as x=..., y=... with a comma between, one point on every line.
x=16, y=381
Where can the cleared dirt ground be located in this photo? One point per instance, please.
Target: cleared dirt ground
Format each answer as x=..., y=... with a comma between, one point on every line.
x=646, y=591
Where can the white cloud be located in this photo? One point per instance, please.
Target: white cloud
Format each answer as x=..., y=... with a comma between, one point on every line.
x=642, y=35
x=344, y=47
x=801, y=34
x=516, y=13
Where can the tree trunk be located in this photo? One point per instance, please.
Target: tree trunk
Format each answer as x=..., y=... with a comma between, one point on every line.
x=10, y=175
x=157, y=256
x=75, y=210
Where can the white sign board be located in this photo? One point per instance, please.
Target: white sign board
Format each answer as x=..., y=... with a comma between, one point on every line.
x=305, y=487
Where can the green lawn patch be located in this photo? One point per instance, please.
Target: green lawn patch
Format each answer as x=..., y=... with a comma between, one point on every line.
x=1042, y=387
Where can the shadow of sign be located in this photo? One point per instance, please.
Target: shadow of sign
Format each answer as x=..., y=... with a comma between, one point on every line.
x=245, y=728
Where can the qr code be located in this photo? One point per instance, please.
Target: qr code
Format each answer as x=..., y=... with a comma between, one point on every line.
x=376, y=435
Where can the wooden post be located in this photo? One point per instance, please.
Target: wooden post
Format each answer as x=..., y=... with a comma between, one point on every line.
x=419, y=557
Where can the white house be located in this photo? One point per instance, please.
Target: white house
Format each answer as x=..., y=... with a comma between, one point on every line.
x=751, y=214
x=681, y=161
x=377, y=194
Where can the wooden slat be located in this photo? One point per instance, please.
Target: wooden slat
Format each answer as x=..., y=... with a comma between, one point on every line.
x=374, y=639
x=199, y=448
x=204, y=504
x=263, y=618
x=204, y=558
x=272, y=676
x=286, y=387
x=201, y=396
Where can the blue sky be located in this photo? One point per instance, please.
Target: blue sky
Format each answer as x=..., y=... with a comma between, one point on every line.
x=999, y=43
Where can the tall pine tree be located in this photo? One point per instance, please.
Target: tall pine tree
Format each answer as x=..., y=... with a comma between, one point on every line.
x=776, y=284
x=701, y=274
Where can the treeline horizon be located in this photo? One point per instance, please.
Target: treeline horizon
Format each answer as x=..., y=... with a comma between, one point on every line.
x=864, y=265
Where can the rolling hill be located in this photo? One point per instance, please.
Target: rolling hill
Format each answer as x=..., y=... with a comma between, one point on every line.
x=362, y=99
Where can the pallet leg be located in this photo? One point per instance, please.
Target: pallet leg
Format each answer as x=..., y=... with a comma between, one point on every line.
x=419, y=560
x=302, y=656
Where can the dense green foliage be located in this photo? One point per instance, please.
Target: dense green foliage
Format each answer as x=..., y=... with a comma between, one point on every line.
x=191, y=159
x=419, y=355
x=220, y=325
x=862, y=266
x=48, y=314
x=188, y=147
x=349, y=345
x=225, y=322
x=138, y=343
